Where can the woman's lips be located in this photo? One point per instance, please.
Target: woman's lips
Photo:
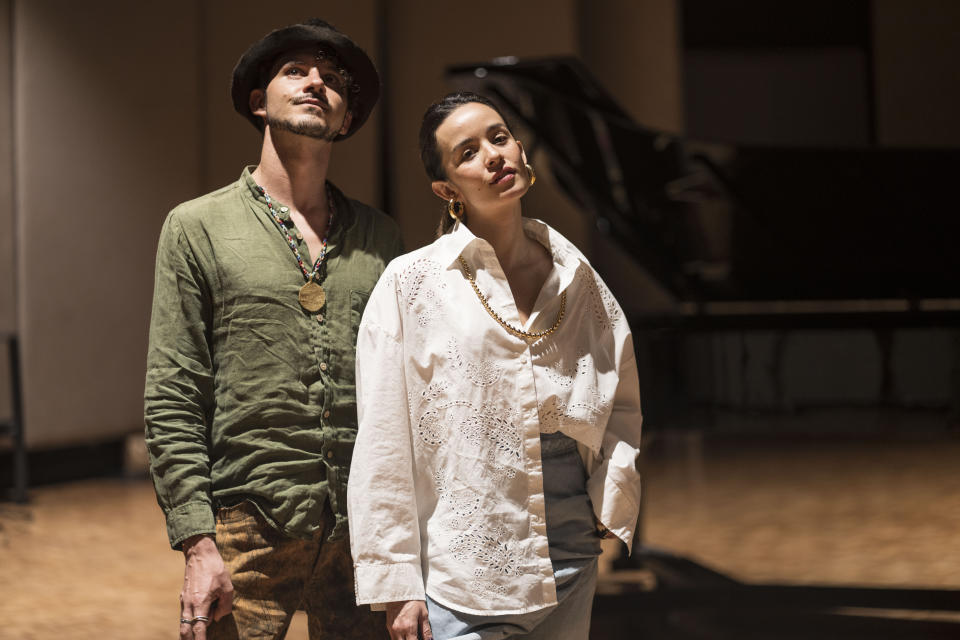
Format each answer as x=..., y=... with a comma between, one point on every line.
x=503, y=175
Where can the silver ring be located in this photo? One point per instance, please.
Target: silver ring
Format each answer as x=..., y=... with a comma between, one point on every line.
x=195, y=619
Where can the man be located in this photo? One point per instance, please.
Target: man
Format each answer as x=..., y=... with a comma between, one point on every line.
x=250, y=404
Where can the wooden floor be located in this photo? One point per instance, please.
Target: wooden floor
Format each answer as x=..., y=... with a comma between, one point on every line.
x=90, y=559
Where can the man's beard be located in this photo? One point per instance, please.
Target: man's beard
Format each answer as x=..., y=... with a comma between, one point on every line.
x=317, y=130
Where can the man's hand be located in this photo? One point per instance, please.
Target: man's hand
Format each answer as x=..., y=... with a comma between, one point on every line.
x=407, y=619
x=205, y=581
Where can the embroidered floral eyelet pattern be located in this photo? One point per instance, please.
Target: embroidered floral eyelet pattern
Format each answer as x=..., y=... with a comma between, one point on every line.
x=434, y=391
x=605, y=309
x=435, y=423
x=556, y=414
x=490, y=548
x=483, y=373
x=565, y=375
x=490, y=429
x=430, y=429
x=420, y=287
x=464, y=502
x=487, y=589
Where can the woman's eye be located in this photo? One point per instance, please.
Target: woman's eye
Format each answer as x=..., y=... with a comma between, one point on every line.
x=500, y=139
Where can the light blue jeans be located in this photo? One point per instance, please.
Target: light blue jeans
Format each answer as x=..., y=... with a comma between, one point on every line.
x=574, y=547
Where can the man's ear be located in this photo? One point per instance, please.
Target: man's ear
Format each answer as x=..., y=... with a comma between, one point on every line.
x=444, y=190
x=347, y=121
x=258, y=102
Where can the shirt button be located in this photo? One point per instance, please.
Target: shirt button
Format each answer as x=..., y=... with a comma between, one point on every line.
x=299, y=236
x=523, y=359
x=329, y=454
x=284, y=209
x=323, y=366
x=319, y=317
x=326, y=414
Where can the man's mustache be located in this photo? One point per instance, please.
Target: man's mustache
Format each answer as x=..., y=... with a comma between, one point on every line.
x=311, y=98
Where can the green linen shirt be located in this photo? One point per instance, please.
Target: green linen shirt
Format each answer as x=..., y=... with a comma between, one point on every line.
x=248, y=396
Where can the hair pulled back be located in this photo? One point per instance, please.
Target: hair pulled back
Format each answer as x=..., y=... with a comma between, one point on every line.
x=430, y=155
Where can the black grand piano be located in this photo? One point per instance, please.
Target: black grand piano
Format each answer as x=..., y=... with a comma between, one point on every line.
x=744, y=238
x=721, y=223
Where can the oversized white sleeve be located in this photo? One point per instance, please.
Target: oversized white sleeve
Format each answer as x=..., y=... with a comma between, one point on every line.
x=381, y=495
x=614, y=482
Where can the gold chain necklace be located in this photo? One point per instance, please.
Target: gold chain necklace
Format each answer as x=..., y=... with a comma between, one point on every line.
x=520, y=333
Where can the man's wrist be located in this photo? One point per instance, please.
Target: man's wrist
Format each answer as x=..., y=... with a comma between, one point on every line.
x=196, y=543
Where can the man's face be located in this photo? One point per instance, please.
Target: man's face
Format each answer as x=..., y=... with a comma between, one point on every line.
x=306, y=95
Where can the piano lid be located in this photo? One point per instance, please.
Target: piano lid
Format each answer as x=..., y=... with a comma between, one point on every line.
x=721, y=222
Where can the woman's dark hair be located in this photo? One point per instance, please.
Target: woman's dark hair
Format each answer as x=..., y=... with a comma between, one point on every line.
x=430, y=154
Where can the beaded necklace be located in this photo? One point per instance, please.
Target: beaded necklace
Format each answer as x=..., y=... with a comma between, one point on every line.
x=520, y=333
x=312, y=296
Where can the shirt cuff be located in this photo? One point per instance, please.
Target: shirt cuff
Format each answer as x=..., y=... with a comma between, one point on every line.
x=378, y=584
x=190, y=519
x=614, y=489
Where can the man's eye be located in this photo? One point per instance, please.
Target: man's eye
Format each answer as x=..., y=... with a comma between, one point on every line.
x=332, y=79
x=294, y=71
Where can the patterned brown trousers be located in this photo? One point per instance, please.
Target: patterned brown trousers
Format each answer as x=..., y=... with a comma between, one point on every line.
x=274, y=576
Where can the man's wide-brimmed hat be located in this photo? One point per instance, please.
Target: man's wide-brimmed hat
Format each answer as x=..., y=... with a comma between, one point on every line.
x=256, y=61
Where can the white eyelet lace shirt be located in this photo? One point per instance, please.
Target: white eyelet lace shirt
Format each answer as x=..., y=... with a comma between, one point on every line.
x=446, y=485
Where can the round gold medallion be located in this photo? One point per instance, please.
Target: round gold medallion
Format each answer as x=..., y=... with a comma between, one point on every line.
x=312, y=296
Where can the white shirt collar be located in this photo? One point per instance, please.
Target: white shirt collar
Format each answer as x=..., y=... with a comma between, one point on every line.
x=566, y=257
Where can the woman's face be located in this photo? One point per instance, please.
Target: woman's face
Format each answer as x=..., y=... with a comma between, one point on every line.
x=483, y=162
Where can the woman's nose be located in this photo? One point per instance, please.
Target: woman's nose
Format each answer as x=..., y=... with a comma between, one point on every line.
x=493, y=156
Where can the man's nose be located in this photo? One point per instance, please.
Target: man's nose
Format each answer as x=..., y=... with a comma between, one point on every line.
x=315, y=77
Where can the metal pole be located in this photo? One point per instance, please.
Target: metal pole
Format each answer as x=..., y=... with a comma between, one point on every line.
x=19, y=442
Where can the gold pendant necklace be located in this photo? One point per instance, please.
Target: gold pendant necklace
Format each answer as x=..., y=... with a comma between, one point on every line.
x=520, y=333
x=311, y=295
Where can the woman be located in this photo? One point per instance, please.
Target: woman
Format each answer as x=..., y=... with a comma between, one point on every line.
x=499, y=409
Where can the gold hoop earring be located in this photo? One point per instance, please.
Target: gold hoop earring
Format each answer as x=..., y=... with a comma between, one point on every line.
x=531, y=173
x=455, y=209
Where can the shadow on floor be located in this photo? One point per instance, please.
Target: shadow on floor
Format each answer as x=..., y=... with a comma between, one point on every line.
x=691, y=602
